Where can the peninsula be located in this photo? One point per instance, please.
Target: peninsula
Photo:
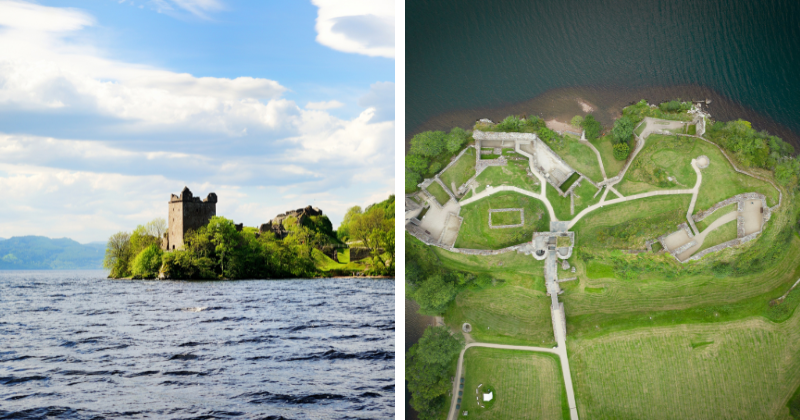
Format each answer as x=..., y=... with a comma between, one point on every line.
x=555, y=253
x=195, y=243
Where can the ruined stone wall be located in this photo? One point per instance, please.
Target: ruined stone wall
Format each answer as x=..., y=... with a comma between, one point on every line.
x=188, y=213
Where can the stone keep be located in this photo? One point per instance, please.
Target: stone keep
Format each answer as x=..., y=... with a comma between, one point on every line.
x=187, y=213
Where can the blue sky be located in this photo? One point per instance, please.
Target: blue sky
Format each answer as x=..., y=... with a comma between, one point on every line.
x=109, y=106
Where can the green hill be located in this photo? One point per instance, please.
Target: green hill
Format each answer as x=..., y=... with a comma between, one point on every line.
x=42, y=253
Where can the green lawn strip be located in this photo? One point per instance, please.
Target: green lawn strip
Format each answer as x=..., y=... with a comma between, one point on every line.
x=580, y=157
x=720, y=181
x=506, y=218
x=325, y=263
x=721, y=234
x=343, y=254
x=692, y=371
x=568, y=183
x=438, y=192
x=655, y=292
x=467, y=195
x=606, y=149
x=692, y=130
x=513, y=174
x=641, y=129
x=662, y=157
x=515, y=310
x=585, y=196
x=703, y=224
x=561, y=205
x=629, y=225
x=524, y=383
x=461, y=171
x=476, y=234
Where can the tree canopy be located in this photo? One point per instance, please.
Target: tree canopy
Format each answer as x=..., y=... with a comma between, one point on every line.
x=428, y=370
x=592, y=127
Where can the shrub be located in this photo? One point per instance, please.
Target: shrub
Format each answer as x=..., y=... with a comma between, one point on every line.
x=435, y=167
x=147, y=263
x=592, y=127
x=621, y=151
x=576, y=121
x=511, y=123
x=534, y=122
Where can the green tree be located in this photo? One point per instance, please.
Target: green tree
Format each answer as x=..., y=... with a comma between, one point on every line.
x=576, y=121
x=786, y=171
x=592, y=127
x=428, y=370
x=623, y=130
x=511, y=123
x=455, y=139
x=434, y=294
x=428, y=143
x=147, y=263
x=412, y=180
x=118, y=251
x=416, y=163
x=621, y=151
x=225, y=239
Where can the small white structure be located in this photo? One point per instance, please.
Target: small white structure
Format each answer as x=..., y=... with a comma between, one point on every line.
x=487, y=397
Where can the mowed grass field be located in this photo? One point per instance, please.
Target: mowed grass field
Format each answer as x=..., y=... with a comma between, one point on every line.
x=738, y=370
x=721, y=234
x=585, y=197
x=513, y=174
x=476, y=234
x=581, y=157
x=515, y=310
x=461, y=171
x=716, y=215
x=527, y=385
x=606, y=149
x=438, y=193
x=662, y=157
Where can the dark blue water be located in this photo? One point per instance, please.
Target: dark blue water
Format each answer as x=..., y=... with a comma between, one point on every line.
x=465, y=58
x=76, y=345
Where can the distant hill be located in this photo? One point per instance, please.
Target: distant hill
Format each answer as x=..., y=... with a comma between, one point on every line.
x=42, y=253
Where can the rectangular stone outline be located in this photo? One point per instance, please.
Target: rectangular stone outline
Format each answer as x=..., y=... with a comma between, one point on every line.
x=521, y=218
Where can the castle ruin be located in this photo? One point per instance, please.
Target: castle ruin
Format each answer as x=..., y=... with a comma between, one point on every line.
x=187, y=213
x=276, y=224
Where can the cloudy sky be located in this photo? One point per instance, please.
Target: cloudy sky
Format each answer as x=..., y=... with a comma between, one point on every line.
x=109, y=106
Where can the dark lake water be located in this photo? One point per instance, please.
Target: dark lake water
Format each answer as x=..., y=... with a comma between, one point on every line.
x=467, y=59
x=76, y=345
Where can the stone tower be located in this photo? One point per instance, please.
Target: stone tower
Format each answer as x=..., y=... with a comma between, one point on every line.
x=187, y=213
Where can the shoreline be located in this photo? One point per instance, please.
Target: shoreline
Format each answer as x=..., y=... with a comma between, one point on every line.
x=562, y=104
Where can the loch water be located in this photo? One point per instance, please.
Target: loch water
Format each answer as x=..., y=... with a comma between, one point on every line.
x=75, y=345
x=469, y=59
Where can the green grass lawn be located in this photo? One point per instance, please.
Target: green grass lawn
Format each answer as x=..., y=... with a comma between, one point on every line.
x=721, y=234
x=720, y=181
x=343, y=254
x=476, y=234
x=513, y=174
x=662, y=157
x=584, y=198
x=438, y=192
x=606, y=149
x=740, y=370
x=703, y=224
x=640, y=129
x=581, y=157
x=630, y=224
x=506, y=218
x=568, y=183
x=525, y=385
x=325, y=263
x=461, y=171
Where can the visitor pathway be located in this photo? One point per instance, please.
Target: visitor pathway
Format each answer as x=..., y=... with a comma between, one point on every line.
x=561, y=351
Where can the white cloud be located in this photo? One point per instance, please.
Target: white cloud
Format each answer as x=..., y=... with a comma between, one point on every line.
x=357, y=26
x=198, y=8
x=258, y=148
x=323, y=105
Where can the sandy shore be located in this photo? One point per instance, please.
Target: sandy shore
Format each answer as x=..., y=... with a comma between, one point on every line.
x=556, y=125
x=585, y=106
